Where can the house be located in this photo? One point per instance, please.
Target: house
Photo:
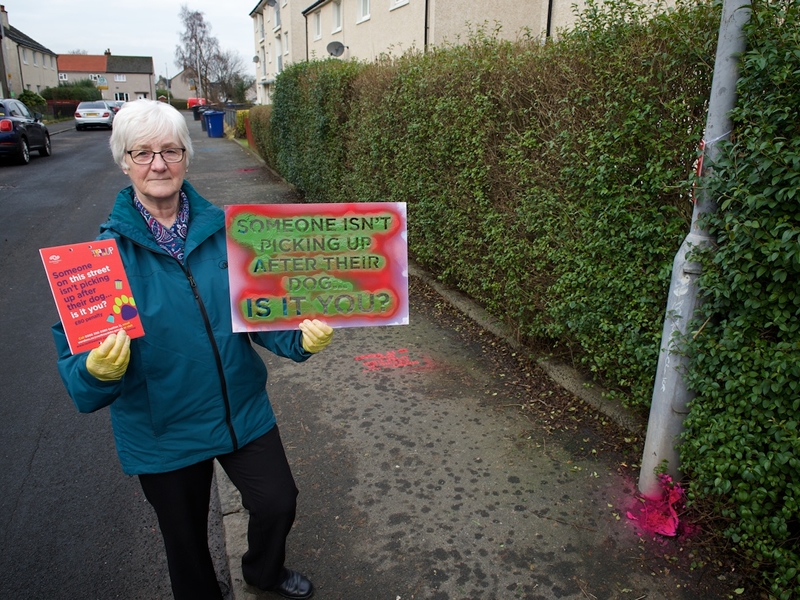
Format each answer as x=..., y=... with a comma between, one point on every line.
x=279, y=30
x=25, y=64
x=287, y=31
x=183, y=86
x=117, y=77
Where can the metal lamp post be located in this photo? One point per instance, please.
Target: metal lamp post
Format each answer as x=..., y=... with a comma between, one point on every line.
x=670, y=395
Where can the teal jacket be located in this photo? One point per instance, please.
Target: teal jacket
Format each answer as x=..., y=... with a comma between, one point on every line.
x=193, y=389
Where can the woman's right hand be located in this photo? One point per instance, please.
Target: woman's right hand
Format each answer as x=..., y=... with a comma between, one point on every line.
x=110, y=361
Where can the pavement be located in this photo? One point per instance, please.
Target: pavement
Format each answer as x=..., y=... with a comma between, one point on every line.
x=420, y=476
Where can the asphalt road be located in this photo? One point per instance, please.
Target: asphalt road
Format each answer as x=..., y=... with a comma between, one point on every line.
x=73, y=525
x=419, y=476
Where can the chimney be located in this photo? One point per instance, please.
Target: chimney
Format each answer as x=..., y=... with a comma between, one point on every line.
x=107, y=52
x=3, y=18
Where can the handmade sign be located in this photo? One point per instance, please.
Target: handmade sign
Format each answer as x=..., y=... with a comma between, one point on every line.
x=346, y=264
x=91, y=291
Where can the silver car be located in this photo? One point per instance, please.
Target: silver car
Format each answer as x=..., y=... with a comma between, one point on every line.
x=97, y=113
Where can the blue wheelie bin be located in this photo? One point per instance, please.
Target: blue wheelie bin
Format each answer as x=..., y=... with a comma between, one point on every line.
x=215, y=123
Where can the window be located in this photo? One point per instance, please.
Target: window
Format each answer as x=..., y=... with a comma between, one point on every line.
x=337, y=16
x=397, y=4
x=123, y=96
x=317, y=25
x=277, y=11
x=278, y=54
x=35, y=59
x=119, y=77
x=62, y=77
x=263, y=68
x=53, y=62
x=286, y=43
x=24, y=55
x=94, y=77
x=363, y=10
x=260, y=25
x=13, y=108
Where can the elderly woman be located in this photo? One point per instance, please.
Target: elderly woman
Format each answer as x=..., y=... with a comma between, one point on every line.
x=189, y=391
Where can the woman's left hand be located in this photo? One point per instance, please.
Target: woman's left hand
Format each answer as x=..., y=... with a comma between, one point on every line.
x=316, y=335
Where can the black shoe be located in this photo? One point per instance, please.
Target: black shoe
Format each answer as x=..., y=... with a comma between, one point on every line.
x=294, y=585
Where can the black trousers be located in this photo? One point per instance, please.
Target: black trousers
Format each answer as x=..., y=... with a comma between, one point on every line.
x=181, y=498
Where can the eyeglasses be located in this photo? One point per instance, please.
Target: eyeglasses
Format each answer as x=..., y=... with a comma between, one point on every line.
x=145, y=157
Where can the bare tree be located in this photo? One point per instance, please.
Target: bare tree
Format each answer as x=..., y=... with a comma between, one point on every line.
x=77, y=52
x=198, y=49
x=229, y=72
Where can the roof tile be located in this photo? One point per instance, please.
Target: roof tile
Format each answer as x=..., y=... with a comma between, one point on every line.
x=83, y=63
x=23, y=40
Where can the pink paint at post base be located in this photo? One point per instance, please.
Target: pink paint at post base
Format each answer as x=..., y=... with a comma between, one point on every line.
x=660, y=514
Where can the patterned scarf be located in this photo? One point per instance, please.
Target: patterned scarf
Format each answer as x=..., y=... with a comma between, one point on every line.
x=171, y=239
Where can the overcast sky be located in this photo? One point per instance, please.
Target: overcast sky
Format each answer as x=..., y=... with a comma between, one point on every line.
x=132, y=27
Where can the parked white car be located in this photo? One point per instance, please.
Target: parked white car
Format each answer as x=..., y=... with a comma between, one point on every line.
x=97, y=113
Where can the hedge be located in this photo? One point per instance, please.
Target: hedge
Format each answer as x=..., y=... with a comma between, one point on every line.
x=33, y=101
x=547, y=181
x=259, y=117
x=741, y=444
x=551, y=182
x=83, y=90
x=310, y=110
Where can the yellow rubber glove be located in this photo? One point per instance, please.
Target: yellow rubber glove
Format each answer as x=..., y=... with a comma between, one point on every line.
x=110, y=361
x=316, y=335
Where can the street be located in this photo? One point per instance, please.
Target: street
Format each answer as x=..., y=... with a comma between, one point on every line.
x=419, y=477
x=73, y=525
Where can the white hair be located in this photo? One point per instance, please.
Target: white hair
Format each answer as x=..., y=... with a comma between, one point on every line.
x=141, y=121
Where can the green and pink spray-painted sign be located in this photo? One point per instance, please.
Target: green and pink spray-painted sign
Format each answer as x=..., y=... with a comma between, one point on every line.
x=346, y=264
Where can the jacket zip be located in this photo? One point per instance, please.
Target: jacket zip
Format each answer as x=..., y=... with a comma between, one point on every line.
x=217, y=356
x=214, y=347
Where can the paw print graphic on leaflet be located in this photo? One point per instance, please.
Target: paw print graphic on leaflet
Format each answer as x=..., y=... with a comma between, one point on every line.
x=125, y=307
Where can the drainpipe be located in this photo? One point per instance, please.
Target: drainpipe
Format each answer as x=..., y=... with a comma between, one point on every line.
x=427, y=26
x=305, y=17
x=3, y=74
x=21, y=74
x=671, y=397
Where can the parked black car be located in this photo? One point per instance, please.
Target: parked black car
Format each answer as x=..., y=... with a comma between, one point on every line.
x=21, y=131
